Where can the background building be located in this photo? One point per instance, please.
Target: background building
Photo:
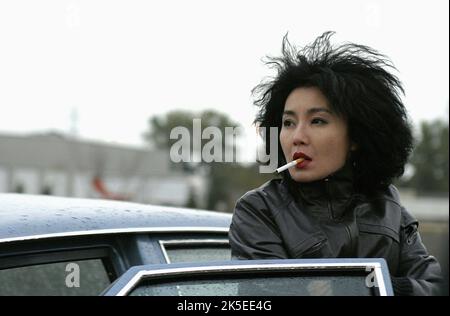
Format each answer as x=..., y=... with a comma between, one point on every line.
x=62, y=165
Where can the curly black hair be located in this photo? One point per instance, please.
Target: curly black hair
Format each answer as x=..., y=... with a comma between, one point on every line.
x=356, y=81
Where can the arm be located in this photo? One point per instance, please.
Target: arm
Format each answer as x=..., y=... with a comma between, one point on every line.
x=253, y=232
x=418, y=272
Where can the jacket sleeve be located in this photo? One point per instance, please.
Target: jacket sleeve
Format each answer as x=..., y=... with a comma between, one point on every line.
x=253, y=233
x=418, y=272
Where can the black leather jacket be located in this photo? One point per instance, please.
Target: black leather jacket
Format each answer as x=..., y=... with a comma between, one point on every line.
x=329, y=220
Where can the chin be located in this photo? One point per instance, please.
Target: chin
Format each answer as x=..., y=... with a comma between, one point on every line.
x=304, y=176
x=300, y=178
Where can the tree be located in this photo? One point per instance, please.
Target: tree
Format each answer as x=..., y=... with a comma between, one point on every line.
x=161, y=126
x=430, y=159
x=158, y=134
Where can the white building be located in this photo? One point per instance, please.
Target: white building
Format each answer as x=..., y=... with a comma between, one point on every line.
x=65, y=166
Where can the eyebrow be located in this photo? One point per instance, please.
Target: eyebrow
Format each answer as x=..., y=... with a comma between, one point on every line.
x=309, y=111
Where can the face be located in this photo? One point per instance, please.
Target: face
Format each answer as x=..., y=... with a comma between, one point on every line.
x=311, y=130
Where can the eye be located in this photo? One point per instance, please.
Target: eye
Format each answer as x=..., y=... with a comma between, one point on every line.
x=287, y=123
x=318, y=121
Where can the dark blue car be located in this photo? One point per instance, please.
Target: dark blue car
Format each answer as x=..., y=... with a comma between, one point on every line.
x=68, y=246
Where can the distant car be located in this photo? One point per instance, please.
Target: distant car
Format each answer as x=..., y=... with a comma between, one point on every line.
x=69, y=246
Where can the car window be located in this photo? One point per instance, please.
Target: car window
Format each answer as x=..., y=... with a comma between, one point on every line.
x=195, y=250
x=295, y=285
x=198, y=253
x=83, y=277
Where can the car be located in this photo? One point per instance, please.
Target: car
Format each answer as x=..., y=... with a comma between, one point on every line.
x=69, y=246
x=41, y=235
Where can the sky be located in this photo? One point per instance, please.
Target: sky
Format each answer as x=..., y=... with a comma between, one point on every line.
x=100, y=69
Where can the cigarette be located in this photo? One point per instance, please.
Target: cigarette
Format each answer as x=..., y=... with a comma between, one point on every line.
x=290, y=164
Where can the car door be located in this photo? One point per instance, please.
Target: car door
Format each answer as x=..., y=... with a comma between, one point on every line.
x=293, y=277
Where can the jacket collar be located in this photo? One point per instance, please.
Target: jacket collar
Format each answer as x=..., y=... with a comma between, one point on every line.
x=329, y=197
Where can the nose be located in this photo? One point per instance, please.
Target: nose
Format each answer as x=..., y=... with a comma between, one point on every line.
x=300, y=136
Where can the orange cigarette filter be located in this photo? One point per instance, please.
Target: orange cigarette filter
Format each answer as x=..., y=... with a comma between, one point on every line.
x=290, y=164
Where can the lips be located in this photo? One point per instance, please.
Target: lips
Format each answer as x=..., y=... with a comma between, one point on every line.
x=299, y=154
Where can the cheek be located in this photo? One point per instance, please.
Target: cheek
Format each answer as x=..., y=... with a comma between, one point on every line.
x=284, y=142
x=336, y=148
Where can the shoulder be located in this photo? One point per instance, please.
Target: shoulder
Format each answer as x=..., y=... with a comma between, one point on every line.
x=388, y=198
x=272, y=192
x=384, y=208
x=256, y=206
x=392, y=197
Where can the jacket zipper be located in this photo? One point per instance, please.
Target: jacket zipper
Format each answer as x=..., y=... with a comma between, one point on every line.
x=330, y=210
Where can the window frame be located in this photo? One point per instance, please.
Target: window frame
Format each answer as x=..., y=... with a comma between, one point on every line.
x=131, y=279
x=55, y=250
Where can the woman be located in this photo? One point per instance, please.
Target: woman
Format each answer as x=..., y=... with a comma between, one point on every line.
x=339, y=109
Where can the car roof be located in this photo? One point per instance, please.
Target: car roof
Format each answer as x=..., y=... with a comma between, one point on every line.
x=25, y=217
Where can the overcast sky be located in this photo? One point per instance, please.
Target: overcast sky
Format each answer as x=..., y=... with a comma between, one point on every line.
x=113, y=64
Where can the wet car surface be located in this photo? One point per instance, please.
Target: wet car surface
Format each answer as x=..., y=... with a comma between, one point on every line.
x=46, y=241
